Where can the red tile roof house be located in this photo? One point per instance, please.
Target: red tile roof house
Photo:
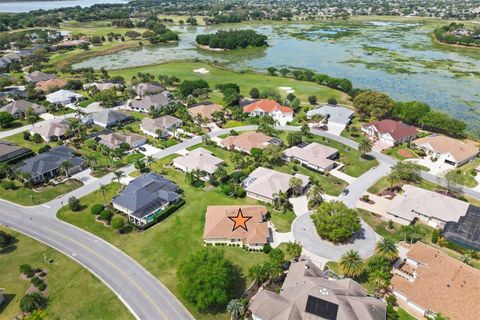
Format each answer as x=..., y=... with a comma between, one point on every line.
x=270, y=107
x=390, y=132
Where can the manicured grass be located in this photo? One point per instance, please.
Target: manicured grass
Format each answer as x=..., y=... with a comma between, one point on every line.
x=73, y=292
x=95, y=28
x=353, y=132
x=463, y=175
x=400, y=152
x=27, y=197
x=282, y=220
x=163, y=247
x=15, y=124
x=19, y=141
x=246, y=80
x=333, y=265
x=384, y=184
x=404, y=315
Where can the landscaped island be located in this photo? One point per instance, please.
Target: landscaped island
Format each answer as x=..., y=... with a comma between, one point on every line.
x=457, y=33
x=232, y=39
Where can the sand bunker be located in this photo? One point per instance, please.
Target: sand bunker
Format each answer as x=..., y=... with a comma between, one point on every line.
x=201, y=70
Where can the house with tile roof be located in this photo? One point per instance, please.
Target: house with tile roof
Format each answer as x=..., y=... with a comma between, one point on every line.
x=162, y=126
x=205, y=111
x=146, y=103
x=18, y=108
x=146, y=197
x=52, y=84
x=219, y=227
x=264, y=184
x=391, y=132
x=314, y=155
x=428, y=281
x=246, y=141
x=53, y=131
x=47, y=165
x=432, y=208
x=102, y=86
x=271, y=108
x=198, y=159
x=306, y=294
x=447, y=150
x=108, y=118
x=115, y=140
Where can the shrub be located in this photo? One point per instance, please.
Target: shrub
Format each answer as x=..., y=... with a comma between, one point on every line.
x=27, y=270
x=45, y=148
x=96, y=209
x=42, y=286
x=8, y=185
x=117, y=223
x=312, y=100
x=26, y=135
x=33, y=301
x=106, y=215
x=37, y=138
x=267, y=248
x=435, y=235
x=332, y=101
x=74, y=204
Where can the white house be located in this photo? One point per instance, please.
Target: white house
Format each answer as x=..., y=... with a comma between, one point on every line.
x=271, y=108
x=390, y=132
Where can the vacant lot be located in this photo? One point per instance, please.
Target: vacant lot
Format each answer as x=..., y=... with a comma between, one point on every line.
x=68, y=284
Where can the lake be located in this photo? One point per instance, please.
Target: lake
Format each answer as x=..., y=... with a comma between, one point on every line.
x=397, y=58
x=25, y=6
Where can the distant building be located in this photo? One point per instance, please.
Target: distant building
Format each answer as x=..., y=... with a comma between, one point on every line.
x=18, y=108
x=264, y=184
x=198, y=159
x=447, y=150
x=52, y=84
x=306, y=294
x=147, y=103
x=271, y=108
x=102, y=86
x=108, y=118
x=314, y=155
x=146, y=89
x=163, y=126
x=37, y=76
x=146, y=197
x=219, y=226
x=47, y=165
x=429, y=282
x=390, y=132
x=245, y=142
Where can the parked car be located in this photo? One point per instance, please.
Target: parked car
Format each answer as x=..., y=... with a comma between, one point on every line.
x=345, y=192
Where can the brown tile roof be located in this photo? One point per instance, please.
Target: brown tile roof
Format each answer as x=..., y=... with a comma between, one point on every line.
x=442, y=144
x=248, y=140
x=397, y=129
x=267, y=106
x=205, y=110
x=50, y=84
x=218, y=226
x=443, y=284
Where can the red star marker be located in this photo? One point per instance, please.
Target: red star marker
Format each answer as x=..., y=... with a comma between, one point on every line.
x=240, y=221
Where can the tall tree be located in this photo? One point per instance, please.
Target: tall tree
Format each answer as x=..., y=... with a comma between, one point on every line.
x=365, y=146
x=236, y=309
x=351, y=264
x=387, y=249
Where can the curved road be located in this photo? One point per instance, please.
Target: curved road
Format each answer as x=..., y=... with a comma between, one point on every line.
x=142, y=293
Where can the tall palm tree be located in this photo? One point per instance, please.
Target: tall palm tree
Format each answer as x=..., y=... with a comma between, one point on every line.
x=351, y=264
x=295, y=185
x=314, y=196
x=236, y=309
x=393, y=179
x=365, y=146
x=149, y=160
x=294, y=249
x=65, y=166
x=387, y=249
x=118, y=175
x=103, y=189
x=407, y=230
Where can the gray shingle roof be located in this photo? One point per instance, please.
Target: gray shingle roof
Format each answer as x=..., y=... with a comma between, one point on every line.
x=50, y=160
x=110, y=117
x=147, y=193
x=21, y=106
x=156, y=101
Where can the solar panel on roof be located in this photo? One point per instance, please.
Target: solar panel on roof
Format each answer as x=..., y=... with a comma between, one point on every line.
x=321, y=308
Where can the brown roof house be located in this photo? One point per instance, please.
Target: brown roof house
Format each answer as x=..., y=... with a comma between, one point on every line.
x=264, y=184
x=390, y=132
x=219, y=227
x=430, y=207
x=115, y=140
x=307, y=295
x=53, y=131
x=245, y=142
x=52, y=84
x=447, y=150
x=18, y=108
x=204, y=111
x=198, y=159
x=429, y=282
x=163, y=126
x=315, y=156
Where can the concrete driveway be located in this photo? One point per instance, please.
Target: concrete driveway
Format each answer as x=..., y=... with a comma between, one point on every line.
x=300, y=205
x=335, y=128
x=436, y=168
x=85, y=176
x=305, y=232
x=149, y=150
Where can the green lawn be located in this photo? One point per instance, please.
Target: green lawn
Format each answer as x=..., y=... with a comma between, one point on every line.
x=69, y=284
x=463, y=175
x=163, y=247
x=384, y=184
x=15, y=124
x=282, y=220
x=28, y=197
x=395, y=152
x=246, y=80
x=95, y=28
x=19, y=141
x=404, y=315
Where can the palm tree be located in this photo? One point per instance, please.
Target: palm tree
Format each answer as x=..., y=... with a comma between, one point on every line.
x=387, y=249
x=149, y=160
x=351, y=264
x=393, y=179
x=314, y=196
x=365, y=146
x=236, y=309
x=25, y=177
x=379, y=281
x=406, y=232
x=91, y=161
x=294, y=249
x=33, y=301
x=280, y=201
x=118, y=175
x=4, y=169
x=295, y=185
x=103, y=189
x=65, y=166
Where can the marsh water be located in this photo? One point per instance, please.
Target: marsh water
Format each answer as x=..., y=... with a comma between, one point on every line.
x=397, y=58
x=25, y=6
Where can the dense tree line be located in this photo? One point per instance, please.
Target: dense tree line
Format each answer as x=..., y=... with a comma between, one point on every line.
x=157, y=32
x=232, y=39
x=446, y=34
